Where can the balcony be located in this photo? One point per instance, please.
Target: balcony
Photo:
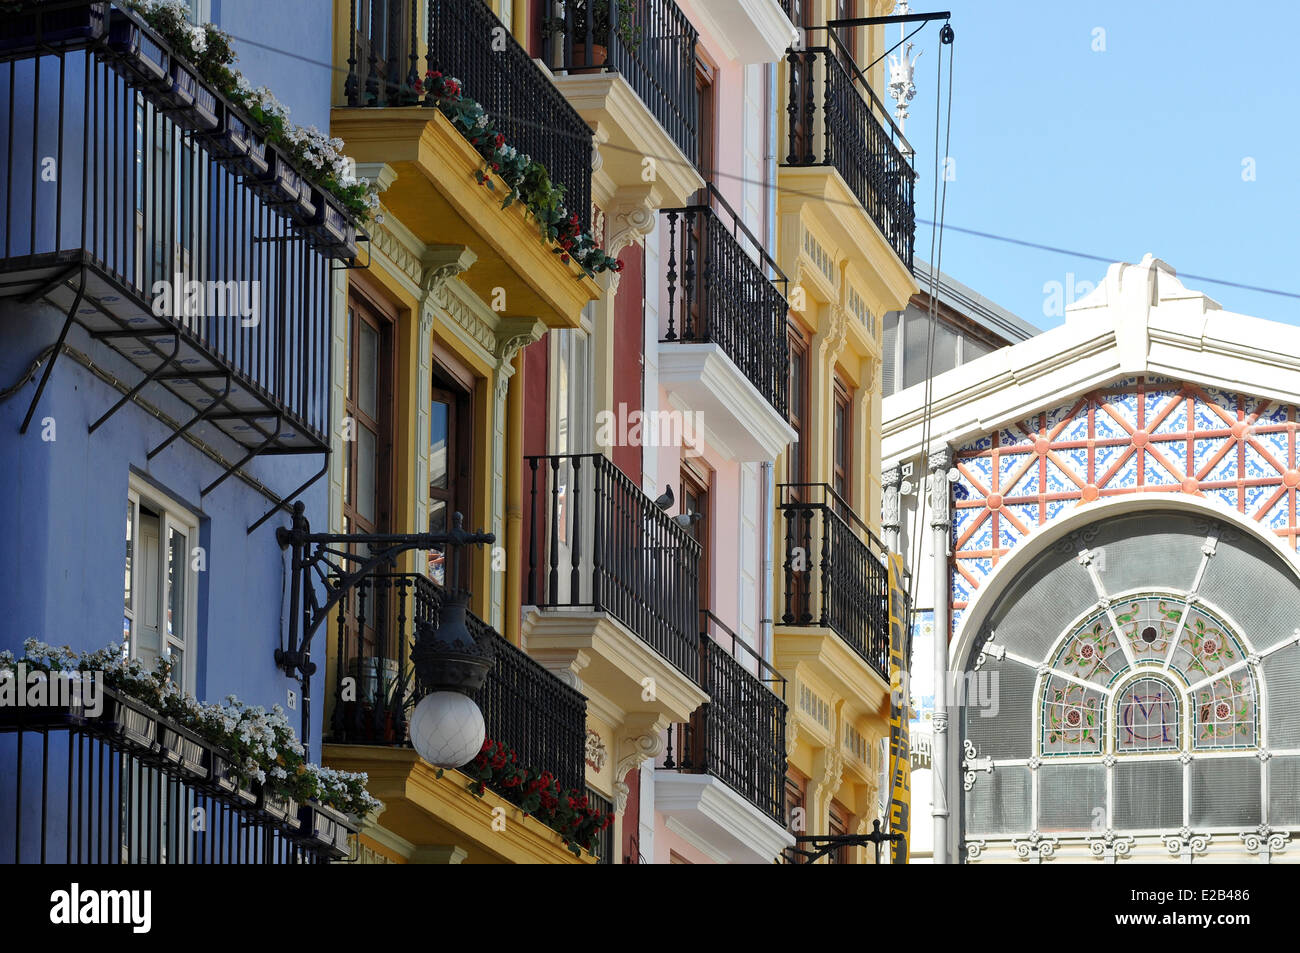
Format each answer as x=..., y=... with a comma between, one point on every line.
x=835, y=576
x=385, y=119
x=737, y=738
x=122, y=786
x=184, y=251
x=374, y=691
x=836, y=121
x=724, y=348
x=650, y=43
x=613, y=592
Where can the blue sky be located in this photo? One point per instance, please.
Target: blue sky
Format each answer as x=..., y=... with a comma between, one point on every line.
x=1138, y=148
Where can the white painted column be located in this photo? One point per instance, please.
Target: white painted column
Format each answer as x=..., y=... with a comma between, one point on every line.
x=939, y=463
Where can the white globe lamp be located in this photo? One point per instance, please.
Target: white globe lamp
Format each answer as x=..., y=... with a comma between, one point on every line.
x=447, y=729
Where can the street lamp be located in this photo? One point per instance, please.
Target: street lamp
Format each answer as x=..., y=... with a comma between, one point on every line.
x=450, y=664
x=447, y=728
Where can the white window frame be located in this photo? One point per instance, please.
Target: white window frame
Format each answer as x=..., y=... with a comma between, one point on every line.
x=173, y=516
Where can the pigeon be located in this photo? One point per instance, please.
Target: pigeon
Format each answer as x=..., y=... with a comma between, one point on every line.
x=666, y=500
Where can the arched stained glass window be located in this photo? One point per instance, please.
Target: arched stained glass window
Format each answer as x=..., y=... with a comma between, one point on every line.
x=1146, y=717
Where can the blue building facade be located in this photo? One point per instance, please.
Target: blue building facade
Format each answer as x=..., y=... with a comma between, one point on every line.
x=165, y=328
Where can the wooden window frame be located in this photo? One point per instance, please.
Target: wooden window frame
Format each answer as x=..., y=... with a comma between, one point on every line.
x=842, y=438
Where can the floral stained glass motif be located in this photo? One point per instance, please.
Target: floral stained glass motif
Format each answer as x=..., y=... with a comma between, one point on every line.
x=1146, y=717
x=1205, y=648
x=1073, y=720
x=1149, y=622
x=1225, y=712
x=1092, y=653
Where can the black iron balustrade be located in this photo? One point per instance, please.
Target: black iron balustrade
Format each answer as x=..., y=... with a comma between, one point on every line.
x=605, y=846
x=650, y=43
x=597, y=541
x=137, y=219
x=464, y=39
x=74, y=792
x=738, y=736
x=835, y=119
x=835, y=574
x=523, y=704
x=719, y=293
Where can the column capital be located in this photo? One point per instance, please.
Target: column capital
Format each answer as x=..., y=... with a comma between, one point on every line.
x=940, y=459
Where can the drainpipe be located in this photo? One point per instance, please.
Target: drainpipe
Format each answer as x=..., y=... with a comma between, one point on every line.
x=768, y=470
x=939, y=463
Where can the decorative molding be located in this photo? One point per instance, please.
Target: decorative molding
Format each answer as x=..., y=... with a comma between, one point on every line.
x=973, y=849
x=891, y=480
x=597, y=755
x=1110, y=846
x=1036, y=847
x=1187, y=844
x=971, y=764
x=1265, y=841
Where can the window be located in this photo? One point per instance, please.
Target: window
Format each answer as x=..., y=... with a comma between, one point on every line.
x=367, y=427
x=704, y=157
x=838, y=826
x=796, y=455
x=450, y=460
x=843, y=437
x=1146, y=718
x=796, y=821
x=695, y=501
x=160, y=602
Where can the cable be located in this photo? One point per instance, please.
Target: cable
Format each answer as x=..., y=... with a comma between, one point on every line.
x=27, y=374
x=680, y=161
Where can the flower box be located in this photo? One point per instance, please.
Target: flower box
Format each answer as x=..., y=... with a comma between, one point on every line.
x=38, y=716
x=53, y=29
x=280, y=184
x=130, y=720
x=189, y=101
x=184, y=749
x=325, y=827
x=279, y=808
x=333, y=234
x=303, y=210
x=138, y=52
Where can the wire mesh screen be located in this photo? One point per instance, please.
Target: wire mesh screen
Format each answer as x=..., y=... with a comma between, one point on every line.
x=1040, y=603
x=998, y=709
x=1282, y=714
x=1071, y=797
x=1224, y=792
x=1283, y=791
x=999, y=803
x=1248, y=583
x=1158, y=551
x=1148, y=794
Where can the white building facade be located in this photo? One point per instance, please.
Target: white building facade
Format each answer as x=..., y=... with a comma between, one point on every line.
x=1117, y=502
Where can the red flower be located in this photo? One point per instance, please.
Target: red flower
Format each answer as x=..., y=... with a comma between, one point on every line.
x=501, y=140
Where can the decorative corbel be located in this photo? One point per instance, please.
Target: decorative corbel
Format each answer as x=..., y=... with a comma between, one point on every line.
x=441, y=264
x=513, y=335
x=641, y=738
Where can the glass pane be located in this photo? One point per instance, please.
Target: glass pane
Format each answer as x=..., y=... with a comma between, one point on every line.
x=176, y=551
x=347, y=473
x=126, y=585
x=1147, y=716
x=368, y=372
x=366, y=475
x=439, y=518
x=177, y=655
x=347, y=365
x=126, y=629
x=438, y=436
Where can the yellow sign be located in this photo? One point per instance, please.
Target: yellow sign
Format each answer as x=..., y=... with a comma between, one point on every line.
x=900, y=748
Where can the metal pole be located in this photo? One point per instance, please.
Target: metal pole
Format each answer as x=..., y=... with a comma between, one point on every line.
x=938, y=464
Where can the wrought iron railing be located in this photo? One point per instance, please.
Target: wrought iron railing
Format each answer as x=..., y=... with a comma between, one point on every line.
x=738, y=736
x=835, y=574
x=147, y=224
x=524, y=705
x=835, y=119
x=596, y=541
x=464, y=39
x=81, y=790
x=605, y=846
x=649, y=42
x=718, y=292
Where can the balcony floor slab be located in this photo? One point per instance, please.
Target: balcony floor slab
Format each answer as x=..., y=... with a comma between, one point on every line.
x=716, y=820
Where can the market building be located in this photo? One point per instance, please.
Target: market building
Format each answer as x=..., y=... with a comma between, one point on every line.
x=1112, y=504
